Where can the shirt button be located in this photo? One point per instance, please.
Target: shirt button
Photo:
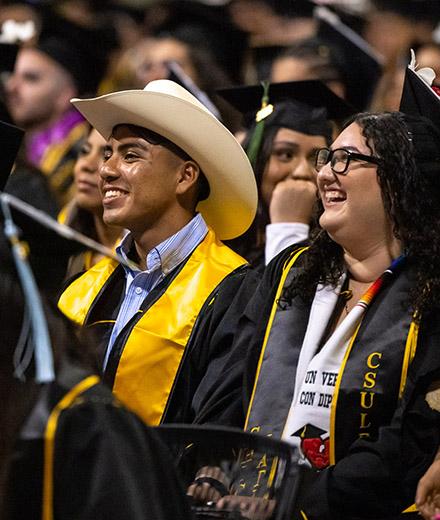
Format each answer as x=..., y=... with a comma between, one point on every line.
x=138, y=290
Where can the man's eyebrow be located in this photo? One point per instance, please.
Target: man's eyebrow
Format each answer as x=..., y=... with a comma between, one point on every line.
x=122, y=147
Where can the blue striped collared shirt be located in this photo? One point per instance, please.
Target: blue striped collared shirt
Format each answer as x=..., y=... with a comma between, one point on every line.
x=161, y=260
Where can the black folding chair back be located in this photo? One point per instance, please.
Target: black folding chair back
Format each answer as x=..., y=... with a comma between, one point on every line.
x=253, y=465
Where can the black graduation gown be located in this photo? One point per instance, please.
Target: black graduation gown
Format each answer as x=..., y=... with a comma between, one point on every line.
x=374, y=479
x=107, y=464
x=208, y=346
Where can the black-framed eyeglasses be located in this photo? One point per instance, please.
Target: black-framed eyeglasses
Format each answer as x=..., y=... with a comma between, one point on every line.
x=340, y=159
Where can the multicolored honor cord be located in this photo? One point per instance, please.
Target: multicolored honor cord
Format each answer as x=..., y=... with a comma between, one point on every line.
x=374, y=289
x=349, y=325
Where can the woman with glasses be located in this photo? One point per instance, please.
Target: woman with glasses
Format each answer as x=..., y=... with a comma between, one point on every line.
x=341, y=338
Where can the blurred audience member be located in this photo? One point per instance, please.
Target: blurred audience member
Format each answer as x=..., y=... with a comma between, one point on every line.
x=286, y=131
x=84, y=212
x=270, y=26
x=394, y=26
x=150, y=60
x=46, y=76
x=308, y=59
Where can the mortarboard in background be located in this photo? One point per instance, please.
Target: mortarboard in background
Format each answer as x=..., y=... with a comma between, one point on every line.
x=419, y=99
x=247, y=99
x=362, y=65
x=303, y=106
x=82, y=51
x=10, y=138
x=207, y=27
x=415, y=10
x=8, y=55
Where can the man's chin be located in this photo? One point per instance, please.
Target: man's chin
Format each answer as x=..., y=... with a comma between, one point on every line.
x=111, y=219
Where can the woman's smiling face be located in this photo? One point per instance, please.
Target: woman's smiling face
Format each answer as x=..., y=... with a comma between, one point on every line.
x=353, y=205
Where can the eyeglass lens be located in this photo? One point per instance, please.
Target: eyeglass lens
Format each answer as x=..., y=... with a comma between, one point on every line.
x=338, y=159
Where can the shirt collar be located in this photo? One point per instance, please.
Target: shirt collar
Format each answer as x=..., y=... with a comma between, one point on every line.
x=167, y=255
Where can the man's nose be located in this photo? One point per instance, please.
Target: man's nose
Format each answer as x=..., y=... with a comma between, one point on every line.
x=108, y=169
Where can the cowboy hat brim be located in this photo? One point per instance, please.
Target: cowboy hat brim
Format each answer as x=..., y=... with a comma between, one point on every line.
x=171, y=111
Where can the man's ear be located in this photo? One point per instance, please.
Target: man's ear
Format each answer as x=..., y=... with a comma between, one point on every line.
x=189, y=173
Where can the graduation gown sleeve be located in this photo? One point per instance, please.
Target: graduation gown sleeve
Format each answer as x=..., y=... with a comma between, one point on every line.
x=108, y=465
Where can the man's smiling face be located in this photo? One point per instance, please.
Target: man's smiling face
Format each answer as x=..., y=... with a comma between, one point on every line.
x=138, y=181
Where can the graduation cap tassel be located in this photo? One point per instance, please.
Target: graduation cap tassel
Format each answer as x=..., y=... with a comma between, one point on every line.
x=24, y=349
x=44, y=366
x=257, y=136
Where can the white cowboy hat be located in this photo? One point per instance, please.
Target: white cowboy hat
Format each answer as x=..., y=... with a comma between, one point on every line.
x=168, y=109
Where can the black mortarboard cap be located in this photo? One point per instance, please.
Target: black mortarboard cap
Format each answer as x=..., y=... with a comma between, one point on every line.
x=10, y=138
x=303, y=106
x=419, y=99
x=413, y=9
x=82, y=51
x=292, y=8
x=362, y=65
x=51, y=244
x=247, y=99
x=8, y=55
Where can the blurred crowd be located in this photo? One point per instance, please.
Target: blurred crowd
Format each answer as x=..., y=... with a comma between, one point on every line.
x=282, y=76
x=96, y=47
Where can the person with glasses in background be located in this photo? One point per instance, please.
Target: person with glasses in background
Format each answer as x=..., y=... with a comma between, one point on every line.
x=339, y=335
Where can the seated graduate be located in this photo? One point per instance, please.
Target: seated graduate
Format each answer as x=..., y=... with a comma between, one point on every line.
x=287, y=123
x=69, y=448
x=179, y=182
x=340, y=338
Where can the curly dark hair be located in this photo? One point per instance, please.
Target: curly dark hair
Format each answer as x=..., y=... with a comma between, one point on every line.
x=408, y=174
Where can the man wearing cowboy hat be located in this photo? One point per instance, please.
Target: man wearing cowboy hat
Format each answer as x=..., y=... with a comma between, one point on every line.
x=178, y=180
